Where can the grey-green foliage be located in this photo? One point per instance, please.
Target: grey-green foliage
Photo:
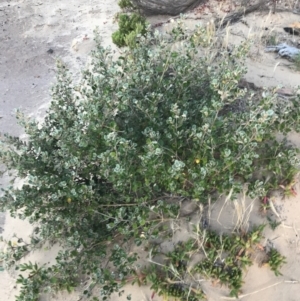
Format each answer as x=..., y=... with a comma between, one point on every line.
x=155, y=121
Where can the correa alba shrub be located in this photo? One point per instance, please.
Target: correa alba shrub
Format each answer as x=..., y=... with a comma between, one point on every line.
x=159, y=120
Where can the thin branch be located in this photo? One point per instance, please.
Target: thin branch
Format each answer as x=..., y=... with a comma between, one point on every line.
x=260, y=290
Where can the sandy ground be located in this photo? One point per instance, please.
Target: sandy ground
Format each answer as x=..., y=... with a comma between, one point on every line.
x=34, y=33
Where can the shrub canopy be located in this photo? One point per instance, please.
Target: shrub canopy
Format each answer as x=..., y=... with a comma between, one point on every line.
x=163, y=119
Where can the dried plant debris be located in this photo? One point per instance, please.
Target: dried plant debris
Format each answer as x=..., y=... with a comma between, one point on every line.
x=284, y=50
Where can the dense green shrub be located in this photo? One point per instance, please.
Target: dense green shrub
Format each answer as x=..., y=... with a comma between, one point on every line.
x=125, y=4
x=130, y=27
x=153, y=123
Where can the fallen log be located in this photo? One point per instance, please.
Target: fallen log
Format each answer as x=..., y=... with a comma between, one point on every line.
x=284, y=50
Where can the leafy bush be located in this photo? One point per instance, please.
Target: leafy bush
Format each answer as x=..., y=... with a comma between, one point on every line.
x=130, y=27
x=125, y=4
x=155, y=123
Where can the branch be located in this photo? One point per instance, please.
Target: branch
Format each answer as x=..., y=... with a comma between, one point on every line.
x=236, y=16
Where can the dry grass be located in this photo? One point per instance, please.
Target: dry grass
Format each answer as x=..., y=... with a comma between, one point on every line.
x=242, y=212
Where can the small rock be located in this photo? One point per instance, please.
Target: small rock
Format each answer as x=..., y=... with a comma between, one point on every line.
x=50, y=51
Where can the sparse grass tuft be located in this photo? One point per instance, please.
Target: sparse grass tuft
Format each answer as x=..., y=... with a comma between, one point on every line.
x=271, y=39
x=273, y=223
x=297, y=62
x=224, y=258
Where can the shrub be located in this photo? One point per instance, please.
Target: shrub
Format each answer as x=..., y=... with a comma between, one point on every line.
x=125, y=4
x=297, y=62
x=130, y=27
x=155, y=123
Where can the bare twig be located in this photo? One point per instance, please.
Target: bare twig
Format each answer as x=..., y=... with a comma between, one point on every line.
x=225, y=202
x=260, y=290
x=242, y=212
x=272, y=207
x=236, y=16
